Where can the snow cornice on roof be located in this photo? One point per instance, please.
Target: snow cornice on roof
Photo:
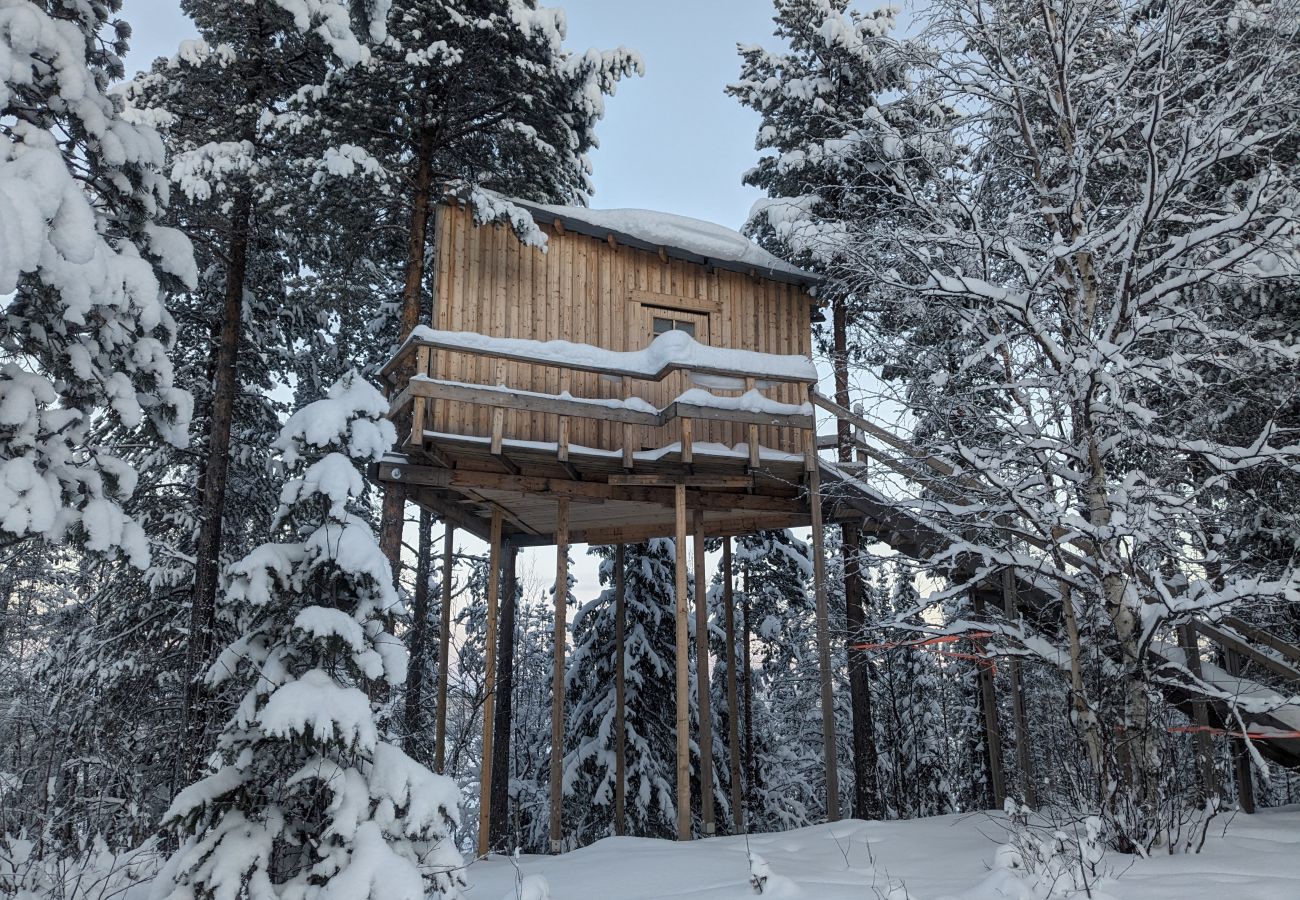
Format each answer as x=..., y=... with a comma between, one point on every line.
x=678, y=237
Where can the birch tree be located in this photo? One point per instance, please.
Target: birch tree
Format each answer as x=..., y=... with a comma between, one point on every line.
x=1124, y=181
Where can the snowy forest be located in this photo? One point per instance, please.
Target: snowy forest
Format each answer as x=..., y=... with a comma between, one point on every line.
x=1058, y=253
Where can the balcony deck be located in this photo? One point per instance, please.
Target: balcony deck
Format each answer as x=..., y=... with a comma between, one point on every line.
x=625, y=490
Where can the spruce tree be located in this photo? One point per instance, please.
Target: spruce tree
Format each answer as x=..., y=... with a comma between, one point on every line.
x=84, y=338
x=650, y=712
x=309, y=800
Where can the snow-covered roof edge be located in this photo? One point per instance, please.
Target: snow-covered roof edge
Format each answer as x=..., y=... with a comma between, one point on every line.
x=680, y=237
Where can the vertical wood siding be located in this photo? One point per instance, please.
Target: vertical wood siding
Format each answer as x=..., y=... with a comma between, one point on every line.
x=584, y=290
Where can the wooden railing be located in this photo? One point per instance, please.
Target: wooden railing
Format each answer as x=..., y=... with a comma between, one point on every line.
x=413, y=388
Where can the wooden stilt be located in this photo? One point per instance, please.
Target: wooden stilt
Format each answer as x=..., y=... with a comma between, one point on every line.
x=444, y=645
x=751, y=771
x=824, y=648
x=733, y=713
x=557, y=679
x=620, y=689
x=1240, y=753
x=489, y=685
x=1024, y=762
x=683, y=677
x=702, y=681
x=992, y=730
x=1200, y=715
x=504, y=722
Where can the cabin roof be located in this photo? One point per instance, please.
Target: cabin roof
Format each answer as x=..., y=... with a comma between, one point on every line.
x=680, y=237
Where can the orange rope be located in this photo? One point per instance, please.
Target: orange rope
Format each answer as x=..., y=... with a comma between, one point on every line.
x=934, y=642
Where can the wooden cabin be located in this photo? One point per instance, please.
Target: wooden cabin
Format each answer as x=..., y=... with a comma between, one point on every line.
x=605, y=287
x=644, y=376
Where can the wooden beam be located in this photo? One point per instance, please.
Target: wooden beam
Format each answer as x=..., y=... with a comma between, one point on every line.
x=733, y=709
x=702, y=682
x=692, y=481
x=1230, y=641
x=444, y=645
x=448, y=510
x=499, y=398
x=824, y=650
x=529, y=401
x=635, y=534
x=1262, y=637
x=629, y=489
x=683, y=722
x=557, y=675
x=620, y=690
x=489, y=684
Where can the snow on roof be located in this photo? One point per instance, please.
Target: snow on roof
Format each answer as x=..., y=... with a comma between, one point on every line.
x=680, y=236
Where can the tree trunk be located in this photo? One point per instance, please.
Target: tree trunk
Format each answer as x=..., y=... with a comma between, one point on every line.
x=866, y=792
x=505, y=709
x=212, y=498
x=415, y=742
x=393, y=514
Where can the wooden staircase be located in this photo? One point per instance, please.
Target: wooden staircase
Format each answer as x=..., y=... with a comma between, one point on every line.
x=1227, y=675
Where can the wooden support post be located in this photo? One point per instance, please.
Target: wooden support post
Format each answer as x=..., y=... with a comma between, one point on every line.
x=683, y=676
x=747, y=673
x=733, y=712
x=504, y=720
x=824, y=647
x=557, y=677
x=444, y=646
x=620, y=690
x=1201, y=742
x=1240, y=752
x=992, y=730
x=1024, y=762
x=688, y=443
x=702, y=681
x=489, y=685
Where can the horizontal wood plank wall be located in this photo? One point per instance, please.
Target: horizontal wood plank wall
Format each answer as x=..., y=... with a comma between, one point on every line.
x=581, y=290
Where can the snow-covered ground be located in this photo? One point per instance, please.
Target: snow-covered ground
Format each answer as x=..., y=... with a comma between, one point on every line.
x=946, y=857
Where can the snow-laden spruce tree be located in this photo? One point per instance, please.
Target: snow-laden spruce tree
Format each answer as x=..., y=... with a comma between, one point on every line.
x=308, y=800
x=84, y=335
x=649, y=704
x=1126, y=176
x=786, y=782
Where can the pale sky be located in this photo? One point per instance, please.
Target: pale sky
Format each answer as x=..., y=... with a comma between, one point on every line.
x=671, y=141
